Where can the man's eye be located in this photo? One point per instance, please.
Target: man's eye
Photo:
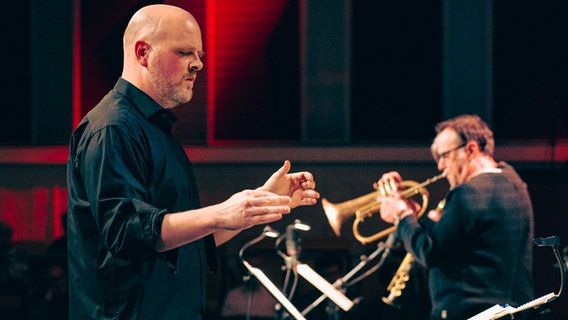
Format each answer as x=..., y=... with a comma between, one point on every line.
x=192, y=53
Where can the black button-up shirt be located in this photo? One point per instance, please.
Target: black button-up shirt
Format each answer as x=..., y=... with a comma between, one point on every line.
x=125, y=172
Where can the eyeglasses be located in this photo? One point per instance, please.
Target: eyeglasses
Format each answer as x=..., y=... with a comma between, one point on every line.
x=443, y=155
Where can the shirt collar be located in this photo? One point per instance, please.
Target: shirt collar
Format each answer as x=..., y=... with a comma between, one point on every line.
x=151, y=110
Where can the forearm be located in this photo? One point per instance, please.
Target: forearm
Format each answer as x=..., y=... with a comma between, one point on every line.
x=223, y=236
x=242, y=210
x=185, y=227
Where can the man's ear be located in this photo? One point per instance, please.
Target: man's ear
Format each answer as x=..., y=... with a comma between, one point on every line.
x=472, y=147
x=142, y=50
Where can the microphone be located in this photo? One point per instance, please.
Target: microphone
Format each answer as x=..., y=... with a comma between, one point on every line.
x=293, y=247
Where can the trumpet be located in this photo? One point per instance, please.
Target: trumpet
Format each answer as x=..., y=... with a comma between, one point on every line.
x=364, y=207
x=402, y=275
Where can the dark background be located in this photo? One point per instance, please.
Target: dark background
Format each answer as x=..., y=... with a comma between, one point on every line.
x=374, y=102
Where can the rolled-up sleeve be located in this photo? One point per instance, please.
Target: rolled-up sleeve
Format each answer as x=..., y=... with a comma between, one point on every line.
x=113, y=167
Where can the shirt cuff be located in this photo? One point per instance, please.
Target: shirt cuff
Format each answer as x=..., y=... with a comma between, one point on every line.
x=401, y=215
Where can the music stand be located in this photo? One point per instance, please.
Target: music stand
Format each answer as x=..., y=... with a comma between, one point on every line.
x=533, y=308
x=264, y=280
x=383, y=249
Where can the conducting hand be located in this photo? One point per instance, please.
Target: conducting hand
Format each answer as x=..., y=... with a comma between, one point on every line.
x=241, y=211
x=299, y=186
x=252, y=207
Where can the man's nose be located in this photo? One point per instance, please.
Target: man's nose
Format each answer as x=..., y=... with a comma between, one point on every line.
x=195, y=65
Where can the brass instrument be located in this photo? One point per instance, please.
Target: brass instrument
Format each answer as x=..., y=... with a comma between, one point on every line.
x=368, y=204
x=398, y=282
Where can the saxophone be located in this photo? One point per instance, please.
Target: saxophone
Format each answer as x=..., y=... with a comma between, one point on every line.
x=398, y=282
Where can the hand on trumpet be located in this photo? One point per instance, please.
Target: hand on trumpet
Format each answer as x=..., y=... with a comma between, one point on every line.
x=393, y=206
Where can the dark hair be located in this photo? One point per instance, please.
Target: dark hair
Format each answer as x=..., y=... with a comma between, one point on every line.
x=471, y=128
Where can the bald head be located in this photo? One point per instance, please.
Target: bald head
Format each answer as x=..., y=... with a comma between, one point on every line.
x=162, y=53
x=154, y=23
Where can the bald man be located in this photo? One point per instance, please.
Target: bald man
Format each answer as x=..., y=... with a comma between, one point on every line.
x=139, y=241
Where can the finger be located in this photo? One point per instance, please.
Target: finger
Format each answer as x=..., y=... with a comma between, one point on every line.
x=268, y=211
x=310, y=194
x=308, y=184
x=284, y=169
x=396, y=176
x=270, y=200
x=301, y=177
x=308, y=176
x=308, y=201
x=386, y=176
x=266, y=218
x=393, y=175
x=260, y=193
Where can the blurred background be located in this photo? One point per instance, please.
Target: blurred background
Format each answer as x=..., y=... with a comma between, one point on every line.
x=345, y=89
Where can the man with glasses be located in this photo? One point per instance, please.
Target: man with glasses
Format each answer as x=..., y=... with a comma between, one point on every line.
x=479, y=252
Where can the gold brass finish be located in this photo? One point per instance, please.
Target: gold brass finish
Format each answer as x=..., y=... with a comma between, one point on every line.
x=364, y=207
x=398, y=282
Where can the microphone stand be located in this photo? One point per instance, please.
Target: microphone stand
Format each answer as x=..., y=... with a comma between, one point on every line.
x=294, y=266
x=293, y=249
x=264, y=280
x=554, y=242
x=382, y=248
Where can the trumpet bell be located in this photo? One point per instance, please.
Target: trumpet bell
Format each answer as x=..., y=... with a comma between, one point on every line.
x=368, y=204
x=332, y=216
x=338, y=213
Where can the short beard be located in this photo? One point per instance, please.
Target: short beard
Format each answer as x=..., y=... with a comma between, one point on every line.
x=171, y=94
